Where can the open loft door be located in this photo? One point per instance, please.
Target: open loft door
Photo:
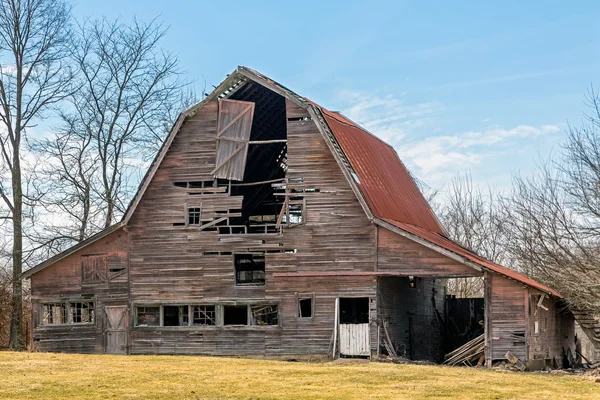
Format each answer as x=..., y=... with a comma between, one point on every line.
x=234, y=125
x=354, y=327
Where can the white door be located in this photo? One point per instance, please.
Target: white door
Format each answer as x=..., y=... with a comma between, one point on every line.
x=354, y=326
x=354, y=340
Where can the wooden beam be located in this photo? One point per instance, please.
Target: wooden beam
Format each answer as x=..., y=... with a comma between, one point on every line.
x=216, y=221
x=258, y=183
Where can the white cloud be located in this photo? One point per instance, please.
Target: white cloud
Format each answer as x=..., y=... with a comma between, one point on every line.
x=436, y=157
x=389, y=117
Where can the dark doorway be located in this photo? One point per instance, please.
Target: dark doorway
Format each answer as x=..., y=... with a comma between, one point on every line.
x=354, y=310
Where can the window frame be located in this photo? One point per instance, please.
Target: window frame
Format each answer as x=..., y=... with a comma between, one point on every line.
x=305, y=296
x=219, y=319
x=187, y=215
x=235, y=270
x=68, y=315
x=135, y=320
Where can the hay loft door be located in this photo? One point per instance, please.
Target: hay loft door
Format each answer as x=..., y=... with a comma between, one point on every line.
x=233, y=134
x=354, y=326
x=115, y=334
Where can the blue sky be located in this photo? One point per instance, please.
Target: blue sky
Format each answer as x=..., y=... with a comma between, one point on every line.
x=469, y=86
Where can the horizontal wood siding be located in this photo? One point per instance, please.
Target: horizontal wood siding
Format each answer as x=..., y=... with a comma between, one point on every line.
x=555, y=328
x=508, y=319
x=62, y=282
x=168, y=264
x=399, y=254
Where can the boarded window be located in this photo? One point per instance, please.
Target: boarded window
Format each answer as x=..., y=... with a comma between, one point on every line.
x=249, y=269
x=194, y=215
x=233, y=134
x=93, y=269
x=175, y=316
x=204, y=315
x=265, y=315
x=82, y=312
x=54, y=313
x=235, y=315
x=147, y=316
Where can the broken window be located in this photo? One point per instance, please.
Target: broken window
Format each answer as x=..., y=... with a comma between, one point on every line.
x=354, y=310
x=235, y=315
x=93, y=269
x=265, y=315
x=294, y=215
x=175, y=316
x=148, y=316
x=82, y=312
x=249, y=269
x=54, y=313
x=305, y=308
x=194, y=215
x=204, y=315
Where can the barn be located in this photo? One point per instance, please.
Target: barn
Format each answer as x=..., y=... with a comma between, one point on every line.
x=270, y=226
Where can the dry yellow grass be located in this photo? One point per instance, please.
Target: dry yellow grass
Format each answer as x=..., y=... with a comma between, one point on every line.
x=61, y=376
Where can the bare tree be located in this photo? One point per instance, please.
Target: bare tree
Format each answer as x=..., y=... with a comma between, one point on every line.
x=555, y=219
x=128, y=87
x=473, y=219
x=33, y=77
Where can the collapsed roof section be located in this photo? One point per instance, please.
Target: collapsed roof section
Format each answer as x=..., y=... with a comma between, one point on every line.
x=384, y=187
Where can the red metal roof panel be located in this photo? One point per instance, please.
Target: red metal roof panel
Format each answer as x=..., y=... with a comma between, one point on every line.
x=384, y=181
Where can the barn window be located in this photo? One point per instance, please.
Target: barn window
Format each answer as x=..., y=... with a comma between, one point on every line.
x=147, y=316
x=235, y=315
x=54, y=313
x=204, y=315
x=265, y=314
x=249, y=269
x=175, y=316
x=94, y=268
x=82, y=312
x=233, y=134
x=305, y=308
x=194, y=215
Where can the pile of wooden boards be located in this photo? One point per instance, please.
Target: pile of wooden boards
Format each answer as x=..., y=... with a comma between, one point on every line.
x=468, y=354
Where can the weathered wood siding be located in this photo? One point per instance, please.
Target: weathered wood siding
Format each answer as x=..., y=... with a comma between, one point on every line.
x=62, y=282
x=507, y=319
x=168, y=264
x=399, y=254
x=555, y=328
x=409, y=315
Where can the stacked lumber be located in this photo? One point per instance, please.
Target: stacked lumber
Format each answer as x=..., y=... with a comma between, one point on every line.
x=468, y=354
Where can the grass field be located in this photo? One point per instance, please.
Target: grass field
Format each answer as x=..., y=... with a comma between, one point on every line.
x=59, y=376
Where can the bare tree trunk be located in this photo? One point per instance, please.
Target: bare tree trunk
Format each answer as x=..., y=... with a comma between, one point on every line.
x=32, y=77
x=16, y=342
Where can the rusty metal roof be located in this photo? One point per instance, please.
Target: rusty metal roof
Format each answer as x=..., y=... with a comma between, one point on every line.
x=384, y=181
x=442, y=241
